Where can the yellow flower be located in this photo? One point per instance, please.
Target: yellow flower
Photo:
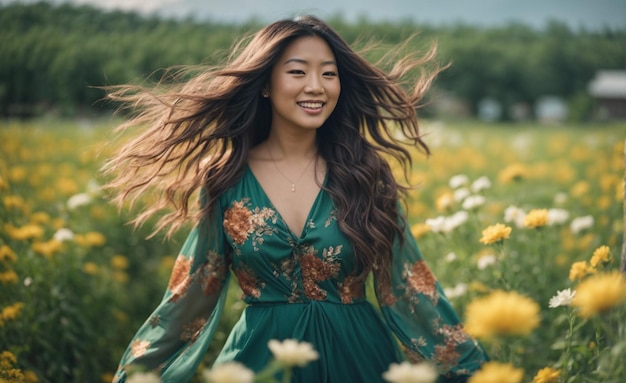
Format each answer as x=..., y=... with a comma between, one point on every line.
x=479, y=287
x=536, y=218
x=501, y=313
x=8, y=277
x=601, y=255
x=495, y=233
x=6, y=254
x=17, y=173
x=585, y=241
x=24, y=232
x=107, y=377
x=119, y=276
x=547, y=375
x=13, y=201
x=599, y=293
x=30, y=377
x=580, y=189
x=579, y=270
x=3, y=184
x=514, y=172
x=47, y=249
x=91, y=268
x=66, y=186
x=119, y=262
x=419, y=229
x=91, y=238
x=12, y=311
x=39, y=218
x=58, y=223
x=592, y=345
x=7, y=357
x=444, y=201
x=97, y=212
x=494, y=372
x=560, y=260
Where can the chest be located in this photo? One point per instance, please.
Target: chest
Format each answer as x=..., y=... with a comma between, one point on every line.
x=292, y=199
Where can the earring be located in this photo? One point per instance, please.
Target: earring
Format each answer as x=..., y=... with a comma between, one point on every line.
x=265, y=94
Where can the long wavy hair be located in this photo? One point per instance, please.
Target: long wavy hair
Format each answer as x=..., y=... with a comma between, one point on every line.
x=196, y=134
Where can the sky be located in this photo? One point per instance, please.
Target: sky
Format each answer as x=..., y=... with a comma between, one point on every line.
x=589, y=14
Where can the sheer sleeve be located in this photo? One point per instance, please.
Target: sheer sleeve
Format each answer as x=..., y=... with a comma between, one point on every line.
x=175, y=337
x=417, y=310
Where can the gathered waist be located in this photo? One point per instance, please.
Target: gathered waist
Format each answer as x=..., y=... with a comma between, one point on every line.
x=307, y=302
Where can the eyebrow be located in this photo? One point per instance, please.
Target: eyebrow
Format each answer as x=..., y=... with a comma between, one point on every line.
x=301, y=61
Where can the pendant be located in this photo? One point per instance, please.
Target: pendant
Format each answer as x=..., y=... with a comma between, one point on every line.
x=293, y=187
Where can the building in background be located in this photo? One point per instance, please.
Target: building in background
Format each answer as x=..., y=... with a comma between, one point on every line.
x=608, y=89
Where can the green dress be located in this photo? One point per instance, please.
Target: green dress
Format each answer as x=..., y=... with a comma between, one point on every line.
x=301, y=287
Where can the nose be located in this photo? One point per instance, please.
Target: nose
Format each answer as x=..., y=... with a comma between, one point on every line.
x=314, y=85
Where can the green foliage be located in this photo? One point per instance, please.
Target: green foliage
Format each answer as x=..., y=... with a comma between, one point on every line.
x=53, y=58
x=80, y=306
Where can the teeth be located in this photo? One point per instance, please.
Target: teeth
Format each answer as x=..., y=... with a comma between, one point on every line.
x=311, y=105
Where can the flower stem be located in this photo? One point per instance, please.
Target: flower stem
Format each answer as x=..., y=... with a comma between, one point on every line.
x=287, y=375
x=570, y=335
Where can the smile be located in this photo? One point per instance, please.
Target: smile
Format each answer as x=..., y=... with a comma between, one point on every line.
x=311, y=105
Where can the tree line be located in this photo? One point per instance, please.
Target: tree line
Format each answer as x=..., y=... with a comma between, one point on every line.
x=53, y=58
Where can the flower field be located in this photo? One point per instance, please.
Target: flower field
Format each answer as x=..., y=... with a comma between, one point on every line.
x=521, y=224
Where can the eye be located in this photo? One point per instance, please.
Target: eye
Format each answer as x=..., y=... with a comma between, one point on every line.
x=296, y=71
x=330, y=74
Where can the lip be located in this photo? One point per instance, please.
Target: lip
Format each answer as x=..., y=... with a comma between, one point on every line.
x=309, y=106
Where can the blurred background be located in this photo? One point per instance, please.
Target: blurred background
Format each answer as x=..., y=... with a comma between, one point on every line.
x=547, y=60
x=526, y=127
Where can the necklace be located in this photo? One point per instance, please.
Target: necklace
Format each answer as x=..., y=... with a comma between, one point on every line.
x=293, y=183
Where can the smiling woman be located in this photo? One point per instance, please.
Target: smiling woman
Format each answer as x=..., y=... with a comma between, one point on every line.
x=287, y=145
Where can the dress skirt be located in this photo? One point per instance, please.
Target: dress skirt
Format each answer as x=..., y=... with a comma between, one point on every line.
x=353, y=342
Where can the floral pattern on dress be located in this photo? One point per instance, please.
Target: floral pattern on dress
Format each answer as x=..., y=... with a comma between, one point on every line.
x=446, y=353
x=240, y=222
x=212, y=273
x=411, y=354
x=273, y=265
x=446, y=356
x=418, y=279
x=191, y=330
x=248, y=281
x=331, y=217
x=139, y=347
x=180, y=279
x=350, y=289
x=154, y=320
x=315, y=270
x=288, y=269
x=385, y=295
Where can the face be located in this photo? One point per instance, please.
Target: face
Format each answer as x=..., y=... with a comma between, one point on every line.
x=304, y=85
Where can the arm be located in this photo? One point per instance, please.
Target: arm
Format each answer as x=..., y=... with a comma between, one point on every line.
x=420, y=315
x=175, y=337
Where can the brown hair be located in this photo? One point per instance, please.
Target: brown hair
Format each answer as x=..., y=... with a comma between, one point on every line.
x=198, y=134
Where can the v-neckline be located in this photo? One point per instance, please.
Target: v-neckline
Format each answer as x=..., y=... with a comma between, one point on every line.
x=280, y=216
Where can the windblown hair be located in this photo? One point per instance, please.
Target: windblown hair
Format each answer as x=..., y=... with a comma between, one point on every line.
x=198, y=134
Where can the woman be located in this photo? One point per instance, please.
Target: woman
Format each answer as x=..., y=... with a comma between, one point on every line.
x=286, y=143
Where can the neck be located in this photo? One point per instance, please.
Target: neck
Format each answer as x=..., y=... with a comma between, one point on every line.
x=289, y=147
